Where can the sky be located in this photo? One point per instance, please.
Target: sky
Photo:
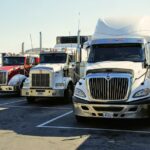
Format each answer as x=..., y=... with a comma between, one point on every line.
x=21, y=18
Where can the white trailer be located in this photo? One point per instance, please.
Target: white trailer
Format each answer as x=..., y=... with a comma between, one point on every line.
x=116, y=83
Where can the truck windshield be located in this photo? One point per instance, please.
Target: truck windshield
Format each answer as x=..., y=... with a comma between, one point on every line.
x=53, y=58
x=9, y=61
x=116, y=52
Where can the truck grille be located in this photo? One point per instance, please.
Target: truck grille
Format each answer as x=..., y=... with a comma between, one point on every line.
x=112, y=89
x=3, y=77
x=40, y=80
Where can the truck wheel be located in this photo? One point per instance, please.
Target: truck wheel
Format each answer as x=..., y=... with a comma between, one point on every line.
x=20, y=88
x=30, y=100
x=68, y=93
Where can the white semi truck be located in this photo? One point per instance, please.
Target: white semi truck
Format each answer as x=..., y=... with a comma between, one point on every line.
x=116, y=82
x=55, y=75
x=51, y=78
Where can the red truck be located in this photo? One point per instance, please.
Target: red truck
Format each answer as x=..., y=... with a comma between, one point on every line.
x=14, y=71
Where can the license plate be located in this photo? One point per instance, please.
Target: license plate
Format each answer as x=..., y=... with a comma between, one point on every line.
x=39, y=93
x=108, y=115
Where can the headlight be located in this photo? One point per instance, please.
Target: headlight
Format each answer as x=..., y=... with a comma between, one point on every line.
x=141, y=93
x=79, y=93
x=59, y=84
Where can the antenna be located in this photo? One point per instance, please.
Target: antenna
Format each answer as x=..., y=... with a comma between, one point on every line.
x=40, y=41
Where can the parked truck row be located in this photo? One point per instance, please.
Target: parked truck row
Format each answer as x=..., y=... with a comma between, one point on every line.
x=107, y=75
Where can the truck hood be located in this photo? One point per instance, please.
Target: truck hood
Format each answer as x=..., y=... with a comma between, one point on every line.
x=135, y=67
x=55, y=67
x=9, y=68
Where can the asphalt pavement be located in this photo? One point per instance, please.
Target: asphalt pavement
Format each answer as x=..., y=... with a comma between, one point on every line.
x=50, y=124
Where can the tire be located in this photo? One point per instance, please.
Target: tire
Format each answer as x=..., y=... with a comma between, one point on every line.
x=20, y=88
x=30, y=100
x=68, y=93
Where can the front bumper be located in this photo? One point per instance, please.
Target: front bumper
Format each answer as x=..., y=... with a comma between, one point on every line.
x=5, y=88
x=42, y=92
x=140, y=109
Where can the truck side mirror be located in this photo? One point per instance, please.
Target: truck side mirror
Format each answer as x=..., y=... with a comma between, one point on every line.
x=145, y=64
x=65, y=68
x=73, y=64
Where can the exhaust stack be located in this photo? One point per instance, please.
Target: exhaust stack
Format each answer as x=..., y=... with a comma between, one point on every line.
x=22, y=47
x=40, y=41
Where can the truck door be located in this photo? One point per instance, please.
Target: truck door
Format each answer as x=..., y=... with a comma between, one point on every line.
x=71, y=66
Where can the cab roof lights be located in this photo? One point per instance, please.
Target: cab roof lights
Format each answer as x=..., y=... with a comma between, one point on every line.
x=117, y=40
x=54, y=50
x=13, y=54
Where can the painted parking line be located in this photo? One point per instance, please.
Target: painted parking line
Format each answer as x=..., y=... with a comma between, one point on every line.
x=2, y=108
x=45, y=125
x=18, y=101
x=54, y=119
x=94, y=129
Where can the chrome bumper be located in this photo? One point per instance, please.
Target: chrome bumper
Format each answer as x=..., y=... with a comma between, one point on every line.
x=86, y=109
x=42, y=92
x=5, y=88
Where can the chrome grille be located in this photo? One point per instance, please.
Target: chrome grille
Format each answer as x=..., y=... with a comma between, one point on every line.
x=40, y=80
x=3, y=77
x=109, y=89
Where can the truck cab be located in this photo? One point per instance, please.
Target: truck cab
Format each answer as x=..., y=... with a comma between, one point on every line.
x=53, y=77
x=116, y=81
x=14, y=71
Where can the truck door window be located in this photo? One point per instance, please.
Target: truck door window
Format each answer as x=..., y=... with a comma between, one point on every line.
x=32, y=60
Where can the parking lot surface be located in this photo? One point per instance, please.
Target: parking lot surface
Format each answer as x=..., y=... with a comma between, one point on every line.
x=50, y=124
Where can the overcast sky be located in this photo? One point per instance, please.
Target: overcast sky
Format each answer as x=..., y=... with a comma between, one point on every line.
x=20, y=18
